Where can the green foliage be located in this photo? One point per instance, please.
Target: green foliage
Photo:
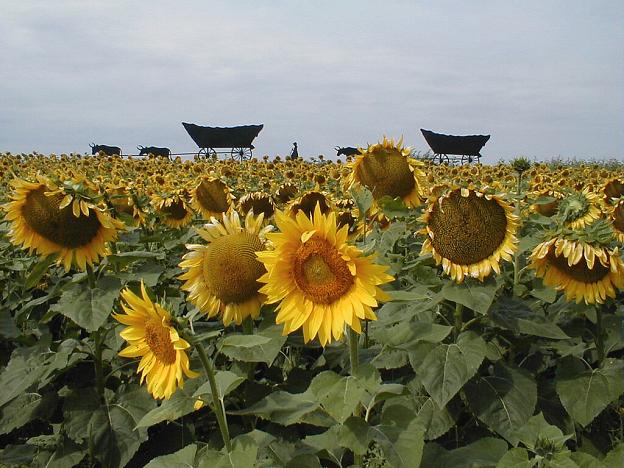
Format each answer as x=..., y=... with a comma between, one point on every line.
x=502, y=380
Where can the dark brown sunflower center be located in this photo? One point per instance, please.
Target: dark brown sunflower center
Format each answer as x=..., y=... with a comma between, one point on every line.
x=618, y=218
x=211, y=195
x=286, y=192
x=614, y=189
x=59, y=226
x=308, y=203
x=176, y=210
x=158, y=339
x=467, y=230
x=580, y=271
x=386, y=173
x=259, y=205
x=231, y=268
x=320, y=272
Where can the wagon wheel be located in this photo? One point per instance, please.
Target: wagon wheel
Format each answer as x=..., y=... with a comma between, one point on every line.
x=207, y=153
x=242, y=154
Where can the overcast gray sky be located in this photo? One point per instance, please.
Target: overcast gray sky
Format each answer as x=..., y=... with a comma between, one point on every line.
x=544, y=78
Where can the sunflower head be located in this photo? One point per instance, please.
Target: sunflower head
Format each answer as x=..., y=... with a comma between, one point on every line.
x=151, y=337
x=584, y=271
x=469, y=232
x=308, y=202
x=222, y=276
x=173, y=209
x=387, y=169
x=579, y=209
x=65, y=220
x=320, y=282
x=211, y=197
x=617, y=220
x=286, y=192
x=614, y=188
x=258, y=202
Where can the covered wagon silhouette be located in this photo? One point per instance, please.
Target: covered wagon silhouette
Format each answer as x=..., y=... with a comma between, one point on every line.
x=455, y=148
x=235, y=141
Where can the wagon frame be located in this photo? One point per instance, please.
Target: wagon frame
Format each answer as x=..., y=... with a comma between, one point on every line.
x=454, y=148
x=235, y=141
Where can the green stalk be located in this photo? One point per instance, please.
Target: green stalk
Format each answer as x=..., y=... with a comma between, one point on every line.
x=217, y=402
x=459, y=309
x=97, y=340
x=355, y=364
x=599, y=336
x=516, y=264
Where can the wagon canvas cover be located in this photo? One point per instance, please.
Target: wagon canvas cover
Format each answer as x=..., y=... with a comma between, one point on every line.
x=469, y=145
x=223, y=137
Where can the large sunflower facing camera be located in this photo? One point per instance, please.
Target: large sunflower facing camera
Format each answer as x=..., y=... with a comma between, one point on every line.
x=47, y=220
x=469, y=232
x=320, y=282
x=222, y=275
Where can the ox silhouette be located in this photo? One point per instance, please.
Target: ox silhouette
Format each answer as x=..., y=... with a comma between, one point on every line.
x=107, y=150
x=346, y=150
x=155, y=150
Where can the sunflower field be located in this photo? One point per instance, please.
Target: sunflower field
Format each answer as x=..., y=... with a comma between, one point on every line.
x=379, y=311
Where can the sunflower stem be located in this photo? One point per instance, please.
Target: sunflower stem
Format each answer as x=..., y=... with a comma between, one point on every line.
x=355, y=363
x=516, y=263
x=459, y=321
x=91, y=276
x=217, y=401
x=97, y=361
x=599, y=336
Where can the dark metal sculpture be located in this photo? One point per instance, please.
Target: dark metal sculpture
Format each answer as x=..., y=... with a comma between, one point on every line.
x=107, y=150
x=346, y=151
x=467, y=147
x=238, y=139
x=154, y=150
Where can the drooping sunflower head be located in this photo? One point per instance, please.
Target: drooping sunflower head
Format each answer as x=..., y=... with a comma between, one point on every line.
x=579, y=209
x=613, y=189
x=547, y=202
x=211, y=197
x=174, y=211
x=124, y=204
x=469, y=232
x=50, y=220
x=617, y=220
x=387, y=169
x=308, y=202
x=222, y=276
x=259, y=203
x=150, y=336
x=320, y=282
x=584, y=272
x=286, y=192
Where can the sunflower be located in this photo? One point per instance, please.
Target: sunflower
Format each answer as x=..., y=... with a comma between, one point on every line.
x=124, y=204
x=258, y=202
x=387, y=169
x=579, y=209
x=614, y=188
x=173, y=210
x=320, y=282
x=222, y=276
x=49, y=221
x=616, y=217
x=469, y=232
x=583, y=271
x=308, y=202
x=152, y=338
x=547, y=209
x=211, y=197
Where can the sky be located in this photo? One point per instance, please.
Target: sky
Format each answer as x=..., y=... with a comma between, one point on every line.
x=544, y=78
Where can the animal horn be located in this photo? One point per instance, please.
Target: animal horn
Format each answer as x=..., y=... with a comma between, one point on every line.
x=91, y=145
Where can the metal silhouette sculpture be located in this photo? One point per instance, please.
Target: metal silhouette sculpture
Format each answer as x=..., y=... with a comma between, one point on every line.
x=466, y=148
x=237, y=139
x=346, y=151
x=155, y=151
x=106, y=149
